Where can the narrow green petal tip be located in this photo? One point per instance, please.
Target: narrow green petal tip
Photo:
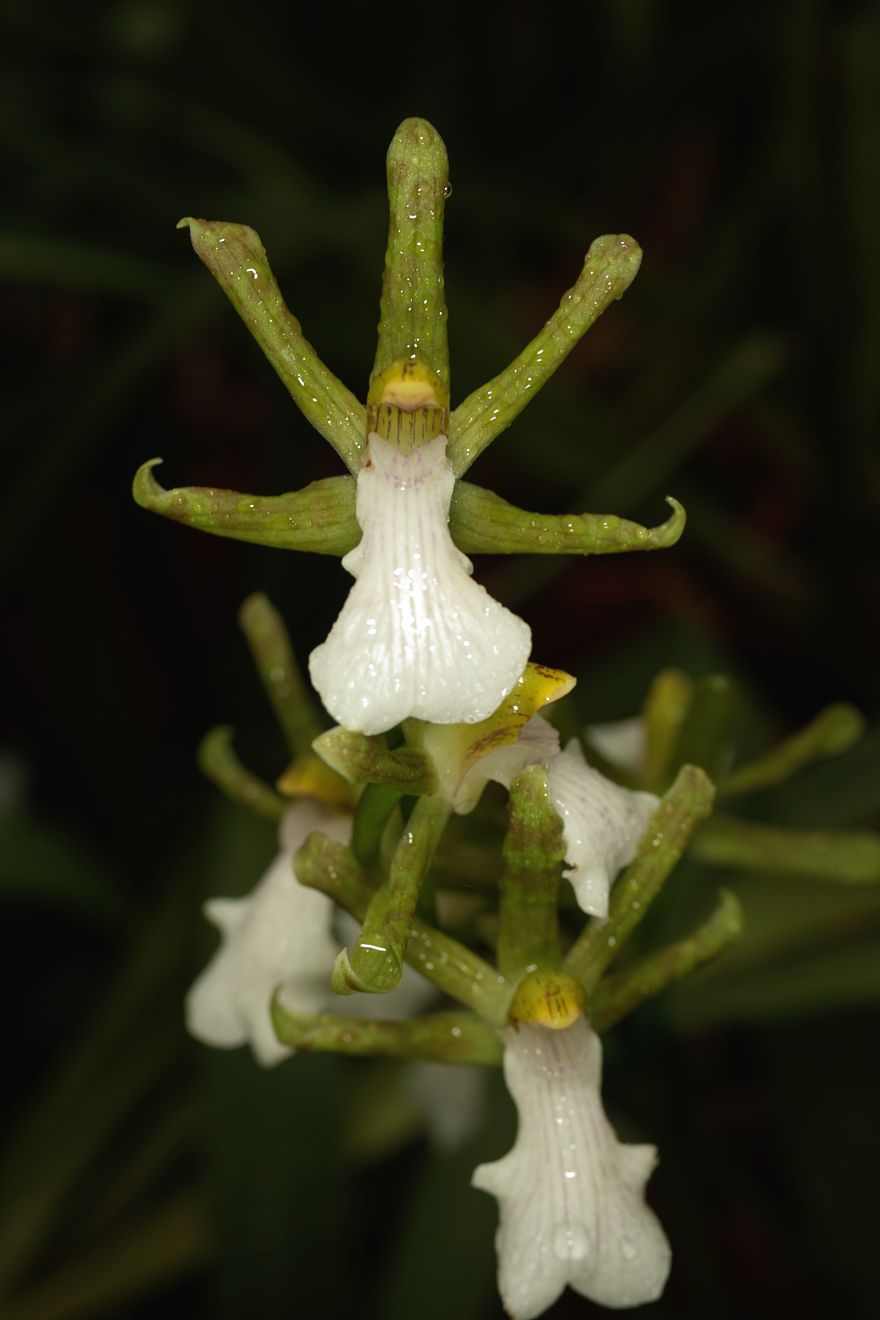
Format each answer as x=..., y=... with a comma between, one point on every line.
x=670, y=531
x=145, y=488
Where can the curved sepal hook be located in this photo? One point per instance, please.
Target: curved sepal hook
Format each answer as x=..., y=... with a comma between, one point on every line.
x=320, y=518
x=482, y=522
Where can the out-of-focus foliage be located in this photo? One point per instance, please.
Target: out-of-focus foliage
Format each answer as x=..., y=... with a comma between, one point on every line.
x=143, y=1176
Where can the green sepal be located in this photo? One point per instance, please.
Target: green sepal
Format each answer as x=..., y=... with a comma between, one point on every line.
x=237, y=259
x=481, y=522
x=412, y=316
x=678, y=813
x=618, y=994
x=276, y=664
x=375, y=963
x=846, y=857
x=833, y=731
x=368, y=760
x=320, y=518
x=218, y=762
x=325, y=864
x=609, y=268
x=533, y=852
x=442, y=1037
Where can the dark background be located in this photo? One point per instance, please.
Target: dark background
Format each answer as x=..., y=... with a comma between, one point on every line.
x=142, y=1175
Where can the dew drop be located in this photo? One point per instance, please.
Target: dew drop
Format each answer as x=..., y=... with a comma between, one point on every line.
x=571, y=1243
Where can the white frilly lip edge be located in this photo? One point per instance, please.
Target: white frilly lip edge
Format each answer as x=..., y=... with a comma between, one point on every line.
x=603, y=824
x=279, y=934
x=571, y=1197
x=282, y=934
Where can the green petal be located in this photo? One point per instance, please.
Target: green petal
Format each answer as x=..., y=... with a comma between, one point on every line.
x=833, y=731
x=219, y=763
x=364, y=760
x=481, y=522
x=610, y=267
x=237, y=259
x=619, y=994
x=844, y=857
x=681, y=809
x=320, y=518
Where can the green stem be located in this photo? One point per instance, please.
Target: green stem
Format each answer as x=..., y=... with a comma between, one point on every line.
x=324, y=864
x=237, y=259
x=367, y=760
x=834, y=730
x=533, y=851
x=703, y=739
x=443, y=1037
x=618, y=994
x=684, y=805
x=219, y=763
x=319, y=519
x=481, y=522
x=371, y=817
x=276, y=664
x=610, y=267
x=847, y=857
x=664, y=713
x=375, y=962
x=412, y=317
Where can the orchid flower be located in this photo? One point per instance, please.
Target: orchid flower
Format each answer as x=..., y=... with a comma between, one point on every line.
x=602, y=821
x=280, y=934
x=571, y=1196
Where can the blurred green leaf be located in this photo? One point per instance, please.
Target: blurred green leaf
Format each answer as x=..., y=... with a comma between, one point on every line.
x=40, y=864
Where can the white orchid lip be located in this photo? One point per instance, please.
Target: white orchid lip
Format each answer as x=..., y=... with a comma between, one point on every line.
x=602, y=824
x=416, y=636
x=571, y=1196
x=621, y=742
x=280, y=934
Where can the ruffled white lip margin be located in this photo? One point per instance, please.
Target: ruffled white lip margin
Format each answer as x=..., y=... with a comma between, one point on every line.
x=571, y=1196
x=602, y=822
x=416, y=636
x=281, y=934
